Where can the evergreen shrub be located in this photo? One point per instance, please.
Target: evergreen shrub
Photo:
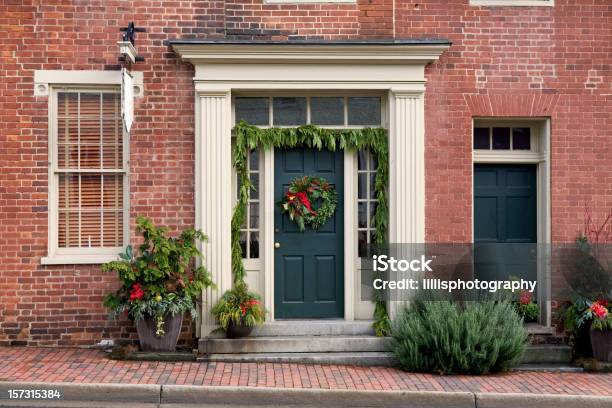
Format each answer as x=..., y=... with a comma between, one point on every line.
x=451, y=338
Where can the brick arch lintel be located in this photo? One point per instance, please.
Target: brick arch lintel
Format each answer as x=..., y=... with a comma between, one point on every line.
x=511, y=105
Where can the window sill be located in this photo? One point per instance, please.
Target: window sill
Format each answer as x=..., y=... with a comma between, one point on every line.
x=90, y=259
x=513, y=3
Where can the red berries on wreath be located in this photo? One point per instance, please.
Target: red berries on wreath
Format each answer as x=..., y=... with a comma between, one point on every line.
x=300, y=198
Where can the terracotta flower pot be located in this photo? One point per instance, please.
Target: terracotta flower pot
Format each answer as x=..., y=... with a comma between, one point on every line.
x=150, y=341
x=235, y=331
x=601, y=342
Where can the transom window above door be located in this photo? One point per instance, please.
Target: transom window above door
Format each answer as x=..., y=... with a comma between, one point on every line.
x=502, y=138
x=496, y=140
x=324, y=111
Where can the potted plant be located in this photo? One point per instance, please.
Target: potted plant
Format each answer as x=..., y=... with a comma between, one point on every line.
x=582, y=313
x=526, y=307
x=159, y=284
x=601, y=330
x=238, y=310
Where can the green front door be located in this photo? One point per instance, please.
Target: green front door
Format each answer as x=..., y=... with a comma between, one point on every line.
x=505, y=221
x=309, y=265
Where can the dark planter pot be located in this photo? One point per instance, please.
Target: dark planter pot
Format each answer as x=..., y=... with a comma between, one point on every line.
x=235, y=331
x=601, y=341
x=149, y=341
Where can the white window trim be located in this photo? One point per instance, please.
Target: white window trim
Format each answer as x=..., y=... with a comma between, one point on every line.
x=45, y=79
x=513, y=3
x=64, y=256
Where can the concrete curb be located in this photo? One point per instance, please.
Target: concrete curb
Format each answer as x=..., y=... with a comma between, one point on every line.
x=148, y=396
x=498, y=400
x=96, y=395
x=265, y=397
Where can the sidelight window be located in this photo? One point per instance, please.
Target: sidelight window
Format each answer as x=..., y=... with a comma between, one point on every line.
x=250, y=231
x=366, y=199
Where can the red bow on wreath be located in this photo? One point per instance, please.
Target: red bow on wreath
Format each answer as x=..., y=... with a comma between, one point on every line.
x=304, y=199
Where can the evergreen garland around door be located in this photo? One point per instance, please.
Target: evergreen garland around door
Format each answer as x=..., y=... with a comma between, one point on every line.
x=249, y=137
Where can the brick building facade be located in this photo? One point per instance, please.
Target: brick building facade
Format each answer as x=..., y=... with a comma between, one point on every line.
x=551, y=63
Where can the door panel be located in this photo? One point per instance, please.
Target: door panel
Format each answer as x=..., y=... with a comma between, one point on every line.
x=505, y=221
x=325, y=267
x=309, y=267
x=293, y=283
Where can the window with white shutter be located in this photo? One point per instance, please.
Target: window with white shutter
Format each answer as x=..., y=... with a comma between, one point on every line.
x=88, y=176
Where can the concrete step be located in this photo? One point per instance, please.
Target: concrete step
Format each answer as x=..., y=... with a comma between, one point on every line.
x=547, y=354
x=294, y=344
x=318, y=327
x=538, y=329
x=550, y=368
x=358, y=350
x=339, y=327
x=366, y=358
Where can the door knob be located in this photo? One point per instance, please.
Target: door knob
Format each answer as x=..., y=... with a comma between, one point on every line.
x=277, y=245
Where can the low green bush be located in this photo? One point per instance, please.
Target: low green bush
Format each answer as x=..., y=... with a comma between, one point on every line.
x=449, y=338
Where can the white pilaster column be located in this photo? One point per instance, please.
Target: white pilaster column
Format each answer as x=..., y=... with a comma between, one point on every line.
x=406, y=174
x=214, y=201
x=406, y=167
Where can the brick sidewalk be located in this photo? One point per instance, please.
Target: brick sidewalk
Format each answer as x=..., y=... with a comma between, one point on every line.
x=93, y=366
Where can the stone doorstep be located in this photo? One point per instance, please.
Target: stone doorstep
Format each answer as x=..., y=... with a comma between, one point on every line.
x=547, y=354
x=357, y=350
x=294, y=344
x=340, y=327
x=537, y=358
x=538, y=329
x=357, y=358
x=556, y=368
x=160, y=356
x=314, y=328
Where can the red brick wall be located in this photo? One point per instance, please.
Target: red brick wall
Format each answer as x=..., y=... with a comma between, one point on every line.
x=556, y=59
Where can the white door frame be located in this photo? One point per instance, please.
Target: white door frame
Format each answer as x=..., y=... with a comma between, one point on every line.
x=540, y=156
x=263, y=269
x=221, y=68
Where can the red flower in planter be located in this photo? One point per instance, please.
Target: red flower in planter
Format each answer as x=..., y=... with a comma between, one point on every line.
x=248, y=304
x=600, y=311
x=137, y=292
x=603, y=302
x=525, y=298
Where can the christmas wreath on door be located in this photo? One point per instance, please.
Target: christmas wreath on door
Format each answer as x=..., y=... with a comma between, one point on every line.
x=302, y=196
